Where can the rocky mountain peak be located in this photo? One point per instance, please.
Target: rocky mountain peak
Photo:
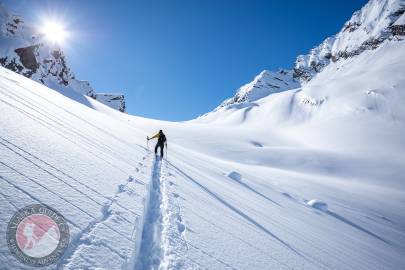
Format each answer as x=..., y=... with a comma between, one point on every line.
x=25, y=51
x=376, y=22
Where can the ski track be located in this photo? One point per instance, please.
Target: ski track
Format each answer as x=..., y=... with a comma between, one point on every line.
x=150, y=250
x=162, y=244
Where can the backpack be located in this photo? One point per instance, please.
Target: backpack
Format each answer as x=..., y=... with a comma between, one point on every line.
x=162, y=138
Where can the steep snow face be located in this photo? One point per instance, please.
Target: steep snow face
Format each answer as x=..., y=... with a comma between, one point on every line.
x=377, y=21
x=264, y=84
x=369, y=26
x=24, y=50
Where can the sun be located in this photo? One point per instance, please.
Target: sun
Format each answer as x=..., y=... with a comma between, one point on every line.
x=54, y=32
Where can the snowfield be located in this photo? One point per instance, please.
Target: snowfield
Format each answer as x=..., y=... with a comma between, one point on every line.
x=235, y=190
x=296, y=176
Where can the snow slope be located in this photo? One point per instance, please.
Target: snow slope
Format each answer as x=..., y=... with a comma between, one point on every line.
x=64, y=154
x=233, y=193
x=247, y=187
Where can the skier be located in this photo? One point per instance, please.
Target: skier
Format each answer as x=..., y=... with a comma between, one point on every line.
x=160, y=143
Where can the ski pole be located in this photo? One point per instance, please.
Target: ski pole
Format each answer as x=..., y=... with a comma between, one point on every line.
x=147, y=142
x=166, y=150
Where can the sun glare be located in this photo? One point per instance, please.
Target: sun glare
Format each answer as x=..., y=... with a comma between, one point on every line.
x=54, y=32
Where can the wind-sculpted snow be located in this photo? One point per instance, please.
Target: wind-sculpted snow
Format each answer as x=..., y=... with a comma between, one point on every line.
x=235, y=176
x=323, y=206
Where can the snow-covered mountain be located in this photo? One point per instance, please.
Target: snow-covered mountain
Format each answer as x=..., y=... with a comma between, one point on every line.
x=368, y=28
x=23, y=49
x=378, y=21
x=264, y=84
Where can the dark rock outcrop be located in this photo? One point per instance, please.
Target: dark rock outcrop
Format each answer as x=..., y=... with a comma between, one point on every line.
x=27, y=57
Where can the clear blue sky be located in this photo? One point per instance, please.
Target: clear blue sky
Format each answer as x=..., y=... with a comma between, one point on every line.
x=175, y=60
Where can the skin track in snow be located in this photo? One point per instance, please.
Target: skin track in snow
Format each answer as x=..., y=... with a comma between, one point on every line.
x=163, y=244
x=150, y=253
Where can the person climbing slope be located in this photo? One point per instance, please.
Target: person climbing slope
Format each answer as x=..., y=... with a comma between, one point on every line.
x=161, y=137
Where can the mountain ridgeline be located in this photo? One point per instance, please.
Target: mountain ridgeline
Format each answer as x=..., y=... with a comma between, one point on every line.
x=368, y=28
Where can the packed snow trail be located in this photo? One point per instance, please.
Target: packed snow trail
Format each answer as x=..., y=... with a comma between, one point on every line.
x=163, y=244
x=150, y=253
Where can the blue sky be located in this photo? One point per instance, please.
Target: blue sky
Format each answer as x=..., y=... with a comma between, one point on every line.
x=175, y=60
